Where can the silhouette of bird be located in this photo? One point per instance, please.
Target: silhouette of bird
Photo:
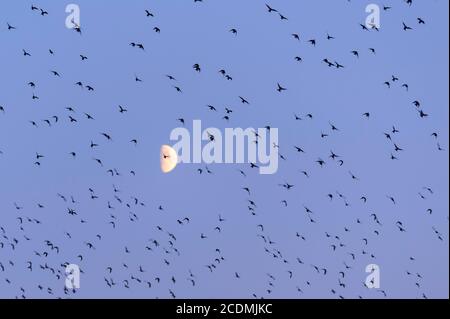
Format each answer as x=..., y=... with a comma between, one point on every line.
x=280, y=88
x=405, y=27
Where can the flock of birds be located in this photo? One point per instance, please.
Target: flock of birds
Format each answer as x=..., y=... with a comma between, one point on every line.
x=42, y=259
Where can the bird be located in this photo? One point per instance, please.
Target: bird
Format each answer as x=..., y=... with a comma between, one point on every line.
x=333, y=127
x=355, y=53
x=107, y=136
x=422, y=114
x=280, y=88
x=122, y=109
x=363, y=26
x=196, y=67
x=270, y=9
x=330, y=64
x=405, y=27
x=397, y=148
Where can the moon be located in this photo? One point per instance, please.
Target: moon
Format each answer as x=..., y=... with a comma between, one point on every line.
x=169, y=159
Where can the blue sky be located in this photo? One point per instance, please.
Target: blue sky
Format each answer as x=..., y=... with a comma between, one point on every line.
x=261, y=55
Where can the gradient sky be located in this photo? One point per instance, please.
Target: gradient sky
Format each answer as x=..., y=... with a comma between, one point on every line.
x=261, y=55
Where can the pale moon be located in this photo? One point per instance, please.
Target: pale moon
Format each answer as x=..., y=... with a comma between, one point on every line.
x=169, y=159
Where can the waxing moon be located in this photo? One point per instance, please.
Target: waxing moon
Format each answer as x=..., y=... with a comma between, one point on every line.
x=169, y=158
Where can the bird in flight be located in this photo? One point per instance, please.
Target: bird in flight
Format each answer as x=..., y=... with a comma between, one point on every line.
x=280, y=88
x=405, y=27
x=243, y=100
x=270, y=9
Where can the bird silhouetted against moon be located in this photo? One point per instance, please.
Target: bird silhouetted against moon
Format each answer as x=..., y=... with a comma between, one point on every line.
x=169, y=158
